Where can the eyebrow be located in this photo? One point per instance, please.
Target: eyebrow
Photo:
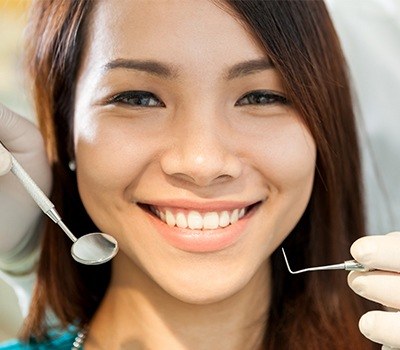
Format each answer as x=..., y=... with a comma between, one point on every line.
x=168, y=71
x=149, y=66
x=248, y=67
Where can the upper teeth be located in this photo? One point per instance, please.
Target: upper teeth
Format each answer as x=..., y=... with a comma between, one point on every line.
x=199, y=221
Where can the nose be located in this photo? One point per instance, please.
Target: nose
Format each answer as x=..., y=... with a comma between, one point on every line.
x=202, y=151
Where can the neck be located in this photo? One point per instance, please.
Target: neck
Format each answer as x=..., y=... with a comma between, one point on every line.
x=137, y=314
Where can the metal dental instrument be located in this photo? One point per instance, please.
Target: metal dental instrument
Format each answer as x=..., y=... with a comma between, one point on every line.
x=91, y=249
x=349, y=265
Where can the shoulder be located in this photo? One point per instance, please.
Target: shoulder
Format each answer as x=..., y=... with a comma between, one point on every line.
x=62, y=341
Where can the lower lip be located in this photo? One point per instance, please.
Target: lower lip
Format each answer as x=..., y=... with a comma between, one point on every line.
x=202, y=240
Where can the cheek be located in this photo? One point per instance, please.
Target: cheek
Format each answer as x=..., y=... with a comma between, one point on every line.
x=285, y=155
x=110, y=153
x=287, y=162
x=110, y=157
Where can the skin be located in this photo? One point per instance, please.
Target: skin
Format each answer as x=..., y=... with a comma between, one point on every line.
x=198, y=145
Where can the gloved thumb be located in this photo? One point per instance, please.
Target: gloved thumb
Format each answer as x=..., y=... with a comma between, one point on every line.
x=17, y=133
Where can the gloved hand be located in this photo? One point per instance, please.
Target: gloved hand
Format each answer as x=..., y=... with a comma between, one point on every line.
x=19, y=214
x=381, y=285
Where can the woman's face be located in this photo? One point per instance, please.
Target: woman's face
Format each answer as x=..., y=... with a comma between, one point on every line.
x=187, y=151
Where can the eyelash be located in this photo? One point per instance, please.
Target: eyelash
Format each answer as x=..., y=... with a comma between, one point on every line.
x=253, y=98
x=132, y=98
x=262, y=98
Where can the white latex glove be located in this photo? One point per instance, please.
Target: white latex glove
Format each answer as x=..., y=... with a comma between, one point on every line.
x=382, y=286
x=19, y=214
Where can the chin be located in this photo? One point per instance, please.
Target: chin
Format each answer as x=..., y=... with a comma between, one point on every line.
x=204, y=296
x=210, y=288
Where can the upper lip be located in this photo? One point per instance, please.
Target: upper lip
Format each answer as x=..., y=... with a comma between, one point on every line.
x=217, y=205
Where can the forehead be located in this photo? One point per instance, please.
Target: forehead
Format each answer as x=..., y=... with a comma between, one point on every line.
x=185, y=31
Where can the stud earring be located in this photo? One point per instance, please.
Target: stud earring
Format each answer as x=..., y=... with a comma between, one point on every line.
x=72, y=165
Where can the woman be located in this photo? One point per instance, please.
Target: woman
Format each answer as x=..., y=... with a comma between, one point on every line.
x=205, y=135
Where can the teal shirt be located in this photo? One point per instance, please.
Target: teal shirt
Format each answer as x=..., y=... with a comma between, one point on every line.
x=60, y=341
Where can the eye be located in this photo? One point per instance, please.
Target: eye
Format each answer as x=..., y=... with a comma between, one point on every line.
x=261, y=98
x=137, y=99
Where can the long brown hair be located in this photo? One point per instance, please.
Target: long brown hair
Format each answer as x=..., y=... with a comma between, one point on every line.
x=313, y=311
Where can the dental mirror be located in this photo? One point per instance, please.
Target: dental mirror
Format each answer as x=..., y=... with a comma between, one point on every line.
x=91, y=249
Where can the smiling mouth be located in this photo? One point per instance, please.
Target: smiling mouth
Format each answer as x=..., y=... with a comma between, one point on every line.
x=196, y=220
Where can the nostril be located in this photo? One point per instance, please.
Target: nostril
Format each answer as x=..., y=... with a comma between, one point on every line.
x=224, y=177
x=184, y=177
x=202, y=166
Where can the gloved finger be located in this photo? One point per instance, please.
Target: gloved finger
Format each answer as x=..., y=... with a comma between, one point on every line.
x=379, y=252
x=385, y=347
x=5, y=161
x=381, y=327
x=19, y=214
x=17, y=132
x=24, y=140
x=379, y=286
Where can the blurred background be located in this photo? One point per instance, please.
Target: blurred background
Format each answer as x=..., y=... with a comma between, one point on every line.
x=13, y=15
x=370, y=34
x=13, y=94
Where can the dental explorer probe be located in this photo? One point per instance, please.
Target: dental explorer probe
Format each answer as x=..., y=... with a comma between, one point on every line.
x=91, y=249
x=348, y=265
